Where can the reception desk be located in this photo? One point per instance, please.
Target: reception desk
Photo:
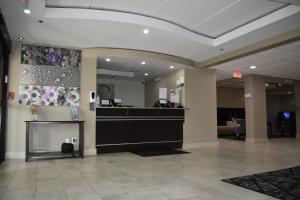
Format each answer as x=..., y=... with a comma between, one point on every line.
x=125, y=129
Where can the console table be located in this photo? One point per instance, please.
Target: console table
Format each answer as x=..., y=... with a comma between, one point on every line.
x=45, y=155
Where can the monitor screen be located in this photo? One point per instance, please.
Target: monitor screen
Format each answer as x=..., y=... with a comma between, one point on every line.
x=118, y=100
x=104, y=102
x=287, y=115
x=163, y=101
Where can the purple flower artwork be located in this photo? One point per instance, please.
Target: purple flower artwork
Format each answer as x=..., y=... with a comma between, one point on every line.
x=49, y=76
x=48, y=96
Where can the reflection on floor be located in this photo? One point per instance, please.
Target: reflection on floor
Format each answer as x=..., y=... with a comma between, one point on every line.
x=125, y=176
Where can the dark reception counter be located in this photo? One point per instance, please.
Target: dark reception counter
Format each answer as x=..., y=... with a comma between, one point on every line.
x=125, y=129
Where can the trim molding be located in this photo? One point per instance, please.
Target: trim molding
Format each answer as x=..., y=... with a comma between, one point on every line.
x=21, y=155
x=257, y=140
x=195, y=145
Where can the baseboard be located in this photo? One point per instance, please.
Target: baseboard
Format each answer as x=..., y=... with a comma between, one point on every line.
x=14, y=155
x=90, y=152
x=199, y=145
x=21, y=155
x=257, y=140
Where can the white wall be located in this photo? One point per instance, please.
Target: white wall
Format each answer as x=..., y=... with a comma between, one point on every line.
x=167, y=81
x=228, y=97
x=131, y=92
x=48, y=137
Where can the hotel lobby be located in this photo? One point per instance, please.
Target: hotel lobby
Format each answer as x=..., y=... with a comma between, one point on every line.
x=138, y=100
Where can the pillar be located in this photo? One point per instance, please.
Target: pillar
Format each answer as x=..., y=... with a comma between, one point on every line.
x=200, y=127
x=256, y=110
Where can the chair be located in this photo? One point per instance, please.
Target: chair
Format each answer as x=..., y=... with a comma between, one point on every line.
x=241, y=128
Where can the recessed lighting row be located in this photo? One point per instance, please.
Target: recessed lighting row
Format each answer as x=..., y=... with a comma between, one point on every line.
x=143, y=63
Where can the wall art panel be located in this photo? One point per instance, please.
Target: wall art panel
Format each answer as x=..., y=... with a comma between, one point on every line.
x=48, y=96
x=49, y=76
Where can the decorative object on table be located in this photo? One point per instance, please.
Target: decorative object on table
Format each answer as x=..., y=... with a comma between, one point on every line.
x=74, y=112
x=67, y=148
x=282, y=184
x=49, y=76
x=34, y=112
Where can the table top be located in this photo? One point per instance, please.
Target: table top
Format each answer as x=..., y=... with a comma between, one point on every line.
x=56, y=121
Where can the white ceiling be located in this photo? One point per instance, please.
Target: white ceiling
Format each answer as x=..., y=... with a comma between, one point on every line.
x=154, y=68
x=181, y=28
x=204, y=17
x=281, y=62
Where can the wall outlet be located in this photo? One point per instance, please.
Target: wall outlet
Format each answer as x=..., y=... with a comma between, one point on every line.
x=74, y=140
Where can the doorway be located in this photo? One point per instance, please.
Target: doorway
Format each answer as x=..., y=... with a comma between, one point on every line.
x=281, y=115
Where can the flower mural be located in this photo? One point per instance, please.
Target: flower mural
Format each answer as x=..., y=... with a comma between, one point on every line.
x=49, y=76
x=49, y=96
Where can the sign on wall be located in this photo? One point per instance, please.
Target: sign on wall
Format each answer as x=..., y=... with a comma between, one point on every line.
x=49, y=76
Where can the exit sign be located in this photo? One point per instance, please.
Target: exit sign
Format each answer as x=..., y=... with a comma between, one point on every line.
x=237, y=74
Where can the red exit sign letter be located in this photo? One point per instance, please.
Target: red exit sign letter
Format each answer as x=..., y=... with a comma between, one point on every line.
x=237, y=74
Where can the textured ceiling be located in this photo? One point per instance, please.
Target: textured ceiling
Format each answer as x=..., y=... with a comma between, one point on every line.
x=192, y=29
x=282, y=62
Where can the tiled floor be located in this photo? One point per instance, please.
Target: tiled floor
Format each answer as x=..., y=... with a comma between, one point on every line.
x=125, y=176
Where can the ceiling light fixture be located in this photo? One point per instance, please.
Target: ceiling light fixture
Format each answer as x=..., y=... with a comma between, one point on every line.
x=20, y=38
x=107, y=59
x=289, y=92
x=143, y=63
x=171, y=67
x=26, y=7
x=146, y=74
x=252, y=67
x=146, y=31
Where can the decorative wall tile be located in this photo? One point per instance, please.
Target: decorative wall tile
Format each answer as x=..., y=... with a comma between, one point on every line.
x=49, y=96
x=49, y=76
x=38, y=55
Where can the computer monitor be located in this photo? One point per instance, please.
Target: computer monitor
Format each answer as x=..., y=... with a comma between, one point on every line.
x=105, y=102
x=287, y=115
x=163, y=101
x=117, y=100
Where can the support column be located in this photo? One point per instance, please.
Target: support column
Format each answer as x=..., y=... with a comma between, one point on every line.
x=200, y=127
x=297, y=108
x=256, y=109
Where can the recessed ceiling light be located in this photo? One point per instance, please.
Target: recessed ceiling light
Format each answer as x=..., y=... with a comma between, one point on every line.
x=146, y=31
x=107, y=59
x=289, y=92
x=143, y=63
x=252, y=67
x=27, y=11
x=171, y=67
x=20, y=38
x=146, y=74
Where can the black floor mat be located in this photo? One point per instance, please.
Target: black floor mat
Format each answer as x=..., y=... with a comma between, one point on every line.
x=282, y=184
x=157, y=152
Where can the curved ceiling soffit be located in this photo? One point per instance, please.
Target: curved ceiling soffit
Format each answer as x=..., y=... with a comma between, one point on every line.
x=165, y=25
x=102, y=51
